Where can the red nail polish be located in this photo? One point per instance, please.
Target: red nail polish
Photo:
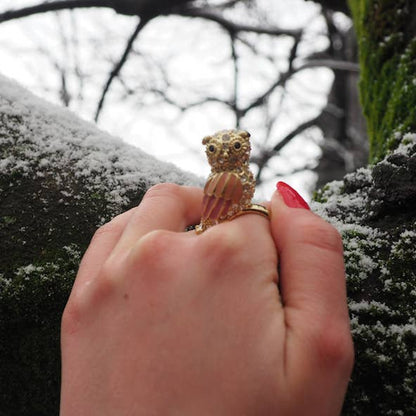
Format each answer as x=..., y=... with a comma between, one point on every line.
x=290, y=196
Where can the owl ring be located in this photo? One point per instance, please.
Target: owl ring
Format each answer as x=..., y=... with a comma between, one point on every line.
x=230, y=186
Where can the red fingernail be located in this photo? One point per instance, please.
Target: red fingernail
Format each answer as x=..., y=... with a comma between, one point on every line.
x=290, y=196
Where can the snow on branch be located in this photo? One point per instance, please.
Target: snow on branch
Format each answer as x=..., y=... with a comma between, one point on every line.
x=53, y=139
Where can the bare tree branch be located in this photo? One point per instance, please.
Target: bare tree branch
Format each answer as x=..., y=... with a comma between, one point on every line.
x=283, y=78
x=333, y=64
x=293, y=53
x=235, y=100
x=265, y=156
x=336, y=5
x=53, y=6
x=299, y=129
x=232, y=27
x=262, y=159
x=186, y=107
x=119, y=65
x=146, y=9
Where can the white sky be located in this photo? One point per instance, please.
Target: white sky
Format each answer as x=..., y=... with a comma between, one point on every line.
x=194, y=56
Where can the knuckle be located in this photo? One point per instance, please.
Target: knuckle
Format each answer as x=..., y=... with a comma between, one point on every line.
x=71, y=318
x=98, y=292
x=111, y=271
x=105, y=229
x=335, y=348
x=163, y=190
x=112, y=227
x=152, y=249
x=219, y=246
x=87, y=299
x=322, y=235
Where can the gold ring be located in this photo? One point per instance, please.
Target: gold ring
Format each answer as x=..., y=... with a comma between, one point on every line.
x=230, y=186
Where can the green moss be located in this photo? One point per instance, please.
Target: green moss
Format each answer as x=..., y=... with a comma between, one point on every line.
x=7, y=220
x=47, y=218
x=387, y=43
x=321, y=195
x=31, y=305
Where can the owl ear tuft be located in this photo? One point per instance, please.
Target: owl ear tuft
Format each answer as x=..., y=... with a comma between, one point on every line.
x=244, y=134
x=206, y=139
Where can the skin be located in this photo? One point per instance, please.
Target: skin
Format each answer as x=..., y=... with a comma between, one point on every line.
x=166, y=322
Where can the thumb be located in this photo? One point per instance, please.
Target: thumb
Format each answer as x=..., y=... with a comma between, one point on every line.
x=319, y=349
x=312, y=285
x=312, y=277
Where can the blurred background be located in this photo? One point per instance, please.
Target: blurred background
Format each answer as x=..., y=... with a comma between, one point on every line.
x=162, y=74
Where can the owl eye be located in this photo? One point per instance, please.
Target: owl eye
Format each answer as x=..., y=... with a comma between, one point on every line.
x=211, y=148
x=237, y=145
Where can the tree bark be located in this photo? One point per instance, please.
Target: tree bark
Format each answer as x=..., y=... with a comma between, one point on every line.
x=375, y=211
x=386, y=34
x=345, y=144
x=60, y=178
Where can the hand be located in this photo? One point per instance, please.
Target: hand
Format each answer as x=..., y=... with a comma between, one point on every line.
x=166, y=322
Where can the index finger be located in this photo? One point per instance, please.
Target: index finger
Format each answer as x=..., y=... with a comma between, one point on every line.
x=164, y=207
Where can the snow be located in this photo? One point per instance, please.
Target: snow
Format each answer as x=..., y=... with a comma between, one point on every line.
x=380, y=257
x=366, y=305
x=53, y=139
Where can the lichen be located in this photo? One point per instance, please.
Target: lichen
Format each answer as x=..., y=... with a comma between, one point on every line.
x=375, y=209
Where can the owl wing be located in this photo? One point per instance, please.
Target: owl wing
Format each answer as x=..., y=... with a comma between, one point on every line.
x=222, y=191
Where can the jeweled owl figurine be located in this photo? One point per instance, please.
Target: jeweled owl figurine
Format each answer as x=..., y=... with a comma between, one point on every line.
x=230, y=185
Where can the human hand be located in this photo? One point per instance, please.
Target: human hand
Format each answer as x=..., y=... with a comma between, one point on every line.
x=165, y=322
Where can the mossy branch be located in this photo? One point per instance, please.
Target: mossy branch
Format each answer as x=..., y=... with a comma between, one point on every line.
x=386, y=33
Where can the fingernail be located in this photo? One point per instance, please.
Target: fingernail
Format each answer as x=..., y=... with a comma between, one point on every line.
x=290, y=196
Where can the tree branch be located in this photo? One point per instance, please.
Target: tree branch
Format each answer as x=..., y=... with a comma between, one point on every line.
x=336, y=5
x=146, y=9
x=334, y=64
x=299, y=129
x=263, y=159
x=185, y=107
x=233, y=27
x=53, y=6
x=119, y=65
x=327, y=63
x=235, y=59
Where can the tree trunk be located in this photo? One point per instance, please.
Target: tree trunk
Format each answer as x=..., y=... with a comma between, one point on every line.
x=375, y=211
x=386, y=32
x=345, y=144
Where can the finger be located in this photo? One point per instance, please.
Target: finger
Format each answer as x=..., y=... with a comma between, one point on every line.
x=164, y=207
x=318, y=342
x=311, y=261
x=249, y=233
x=102, y=244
